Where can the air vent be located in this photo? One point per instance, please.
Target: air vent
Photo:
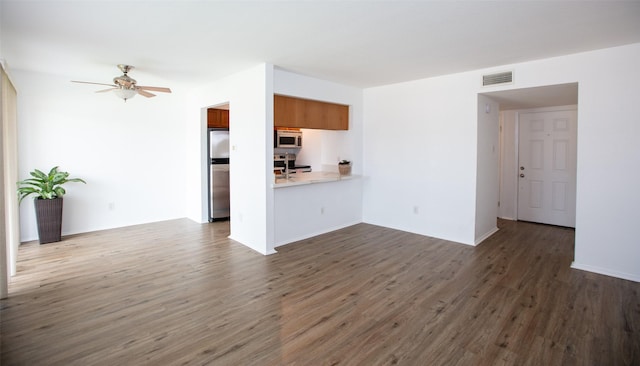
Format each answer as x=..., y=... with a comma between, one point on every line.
x=499, y=78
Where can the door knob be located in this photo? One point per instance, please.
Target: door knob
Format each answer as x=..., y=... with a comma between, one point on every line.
x=521, y=175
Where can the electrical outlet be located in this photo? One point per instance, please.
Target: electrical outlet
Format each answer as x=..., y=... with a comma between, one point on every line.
x=415, y=210
x=112, y=206
x=321, y=210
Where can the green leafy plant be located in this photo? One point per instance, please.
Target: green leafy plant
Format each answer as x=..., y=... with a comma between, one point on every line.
x=45, y=186
x=344, y=162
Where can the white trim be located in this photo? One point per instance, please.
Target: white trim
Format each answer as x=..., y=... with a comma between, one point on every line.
x=606, y=272
x=486, y=236
x=516, y=179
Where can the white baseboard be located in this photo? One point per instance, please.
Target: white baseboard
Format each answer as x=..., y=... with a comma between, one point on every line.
x=252, y=248
x=606, y=272
x=487, y=235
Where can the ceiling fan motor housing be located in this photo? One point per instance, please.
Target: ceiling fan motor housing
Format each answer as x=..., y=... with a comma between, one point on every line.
x=124, y=81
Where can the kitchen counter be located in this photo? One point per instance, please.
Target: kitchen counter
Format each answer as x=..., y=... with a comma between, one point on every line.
x=310, y=178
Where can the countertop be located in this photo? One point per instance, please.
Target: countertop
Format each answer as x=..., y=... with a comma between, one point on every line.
x=309, y=178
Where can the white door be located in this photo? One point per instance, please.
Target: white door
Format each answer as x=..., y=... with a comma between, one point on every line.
x=547, y=167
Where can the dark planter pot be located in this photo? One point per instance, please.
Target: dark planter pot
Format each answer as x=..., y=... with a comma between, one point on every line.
x=49, y=218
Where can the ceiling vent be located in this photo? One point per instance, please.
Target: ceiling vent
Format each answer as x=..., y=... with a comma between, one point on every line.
x=498, y=78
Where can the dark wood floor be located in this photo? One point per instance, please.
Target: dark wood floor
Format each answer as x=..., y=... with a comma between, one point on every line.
x=176, y=292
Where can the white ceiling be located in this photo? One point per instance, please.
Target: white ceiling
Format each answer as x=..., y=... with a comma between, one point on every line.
x=359, y=43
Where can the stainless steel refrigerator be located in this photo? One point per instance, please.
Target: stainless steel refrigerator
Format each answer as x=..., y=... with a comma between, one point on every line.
x=219, y=203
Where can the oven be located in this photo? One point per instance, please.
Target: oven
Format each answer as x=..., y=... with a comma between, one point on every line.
x=280, y=161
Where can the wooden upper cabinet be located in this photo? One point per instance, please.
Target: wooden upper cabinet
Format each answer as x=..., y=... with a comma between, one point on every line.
x=287, y=111
x=336, y=116
x=217, y=118
x=304, y=113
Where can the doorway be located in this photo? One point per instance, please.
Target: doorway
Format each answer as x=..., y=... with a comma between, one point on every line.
x=513, y=104
x=218, y=163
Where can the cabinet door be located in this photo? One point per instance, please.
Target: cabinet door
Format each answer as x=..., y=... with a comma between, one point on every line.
x=217, y=118
x=288, y=111
x=326, y=116
x=315, y=115
x=337, y=116
x=224, y=117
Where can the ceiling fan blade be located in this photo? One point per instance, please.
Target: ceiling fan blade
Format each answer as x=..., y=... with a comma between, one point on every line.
x=106, y=90
x=155, y=88
x=145, y=93
x=89, y=82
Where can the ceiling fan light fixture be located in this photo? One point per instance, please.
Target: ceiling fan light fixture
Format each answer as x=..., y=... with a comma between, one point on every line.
x=125, y=93
x=125, y=87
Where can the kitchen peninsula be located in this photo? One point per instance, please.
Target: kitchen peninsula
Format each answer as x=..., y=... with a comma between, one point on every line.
x=330, y=118
x=310, y=178
x=314, y=203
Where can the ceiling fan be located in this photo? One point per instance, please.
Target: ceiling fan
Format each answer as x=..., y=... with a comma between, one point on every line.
x=125, y=87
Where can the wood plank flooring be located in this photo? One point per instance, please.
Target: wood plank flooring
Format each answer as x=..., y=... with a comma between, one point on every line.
x=181, y=293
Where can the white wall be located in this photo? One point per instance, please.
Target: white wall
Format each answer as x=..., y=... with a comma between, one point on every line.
x=131, y=154
x=608, y=152
x=426, y=130
x=420, y=144
x=250, y=98
x=488, y=172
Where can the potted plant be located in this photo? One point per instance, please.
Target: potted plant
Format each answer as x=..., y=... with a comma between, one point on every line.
x=48, y=192
x=344, y=167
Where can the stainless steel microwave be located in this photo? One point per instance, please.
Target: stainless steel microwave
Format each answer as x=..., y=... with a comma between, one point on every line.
x=287, y=139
